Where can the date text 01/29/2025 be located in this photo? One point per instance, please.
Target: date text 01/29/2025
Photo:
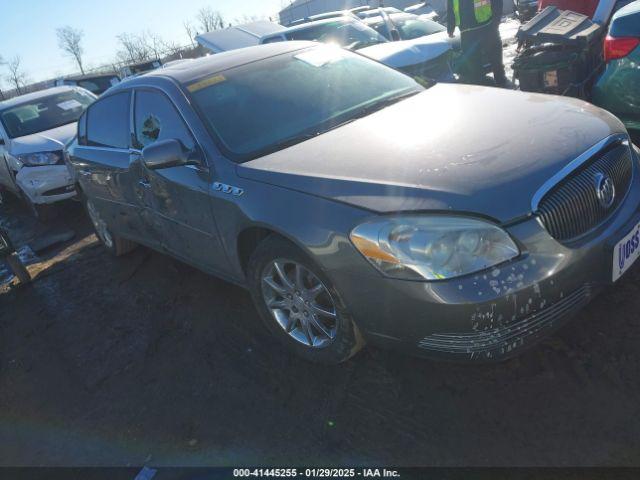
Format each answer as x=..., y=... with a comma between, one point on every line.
x=626, y=252
x=316, y=473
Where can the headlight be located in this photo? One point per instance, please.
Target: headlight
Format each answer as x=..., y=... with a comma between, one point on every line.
x=432, y=247
x=40, y=158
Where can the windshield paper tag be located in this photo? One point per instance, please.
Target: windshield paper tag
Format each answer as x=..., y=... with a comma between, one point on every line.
x=69, y=105
x=319, y=57
x=207, y=82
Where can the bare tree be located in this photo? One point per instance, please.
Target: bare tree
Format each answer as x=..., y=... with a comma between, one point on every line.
x=192, y=32
x=134, y=48
x=17, y=77
x=157, y=46
x=209, y=19
x=70, y=41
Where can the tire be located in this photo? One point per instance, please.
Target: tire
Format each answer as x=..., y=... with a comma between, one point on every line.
x=114, y=244
x=305, y=339
x=19, y=270
x=45, y=213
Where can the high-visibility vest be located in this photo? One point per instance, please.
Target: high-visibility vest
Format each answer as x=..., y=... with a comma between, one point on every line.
x=482, y=9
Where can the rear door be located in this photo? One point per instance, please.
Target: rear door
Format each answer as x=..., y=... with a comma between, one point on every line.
x=107, y=168
x=177, y=197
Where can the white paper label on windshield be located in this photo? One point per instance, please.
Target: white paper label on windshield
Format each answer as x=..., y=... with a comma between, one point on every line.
x=70, y=104
x=320, y=56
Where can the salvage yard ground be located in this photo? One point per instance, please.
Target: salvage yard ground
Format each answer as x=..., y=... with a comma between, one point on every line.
x=140, y=359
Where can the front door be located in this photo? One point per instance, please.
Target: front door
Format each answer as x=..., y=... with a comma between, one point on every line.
x=109, y=170
x=177, y=197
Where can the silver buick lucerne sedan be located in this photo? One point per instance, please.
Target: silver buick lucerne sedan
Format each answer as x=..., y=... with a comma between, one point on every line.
x=358, y=206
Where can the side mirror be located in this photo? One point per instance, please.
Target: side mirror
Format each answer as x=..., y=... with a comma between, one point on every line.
x=164, y=154
x=1, y=141
x=395, y=35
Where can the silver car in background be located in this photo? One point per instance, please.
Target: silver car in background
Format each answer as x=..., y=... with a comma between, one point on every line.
x=427, y=58
x=358, y=206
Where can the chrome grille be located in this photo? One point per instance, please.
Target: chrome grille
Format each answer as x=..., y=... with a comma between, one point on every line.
x=572, y=208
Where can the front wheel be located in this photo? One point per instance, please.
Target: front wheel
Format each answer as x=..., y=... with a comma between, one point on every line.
x=18, y=268
x=114, y=244
x=299, y=304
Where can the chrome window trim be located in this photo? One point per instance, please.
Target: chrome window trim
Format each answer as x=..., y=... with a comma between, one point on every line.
x=102, y=149
x=574, y=165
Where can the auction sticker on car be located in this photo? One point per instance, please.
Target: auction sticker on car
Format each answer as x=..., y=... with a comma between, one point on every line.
x=626, y=252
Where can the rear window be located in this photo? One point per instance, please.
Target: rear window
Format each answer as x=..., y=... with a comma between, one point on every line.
x=265, y=106
x=45, y=113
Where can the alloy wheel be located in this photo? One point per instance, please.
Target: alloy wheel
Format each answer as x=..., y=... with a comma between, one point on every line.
x=300, y=303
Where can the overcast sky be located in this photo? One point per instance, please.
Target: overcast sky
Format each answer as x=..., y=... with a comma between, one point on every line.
x=29, y=27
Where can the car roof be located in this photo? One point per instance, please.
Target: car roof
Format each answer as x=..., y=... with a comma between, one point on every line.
x=375, y=11
x=630, y=9
x=392, y=16
x=89, y=76
x=187, y=72
x=324, y=21
x=35, y=96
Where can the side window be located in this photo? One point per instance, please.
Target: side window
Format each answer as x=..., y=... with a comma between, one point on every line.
x=108, y=122
x=82, y=129
x=157, y=119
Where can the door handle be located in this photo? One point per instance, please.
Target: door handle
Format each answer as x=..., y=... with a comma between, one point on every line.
x=144, y=184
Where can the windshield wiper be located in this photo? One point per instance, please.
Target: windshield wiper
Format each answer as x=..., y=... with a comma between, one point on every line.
x=328, y=126
x=374, y=107
x=287, y=142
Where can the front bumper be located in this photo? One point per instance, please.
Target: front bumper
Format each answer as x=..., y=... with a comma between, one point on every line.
x=46, y=184
x=498, y=313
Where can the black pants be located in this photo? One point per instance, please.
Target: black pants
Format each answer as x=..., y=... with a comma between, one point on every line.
x=480, y=47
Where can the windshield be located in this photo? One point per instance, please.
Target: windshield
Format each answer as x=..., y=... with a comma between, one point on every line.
x=45, y=113
x=413, y=27
x=409, y=27
x=266, y=106
x=349, y=34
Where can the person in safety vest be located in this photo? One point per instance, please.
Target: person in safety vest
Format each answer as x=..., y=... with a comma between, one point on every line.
x=479, y=22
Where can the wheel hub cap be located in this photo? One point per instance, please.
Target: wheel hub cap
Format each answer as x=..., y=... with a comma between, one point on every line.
x=300, y=303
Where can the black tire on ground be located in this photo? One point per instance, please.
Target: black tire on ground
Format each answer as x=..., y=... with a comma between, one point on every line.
x=45, y=213
x=348, y=340
x=118, y=246
x=18, y=268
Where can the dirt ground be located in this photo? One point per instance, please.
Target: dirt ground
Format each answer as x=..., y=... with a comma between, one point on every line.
x=142, y=359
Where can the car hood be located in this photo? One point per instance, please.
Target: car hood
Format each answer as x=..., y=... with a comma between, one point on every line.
x=46, y=141
x=405, y=53
x=453, y=147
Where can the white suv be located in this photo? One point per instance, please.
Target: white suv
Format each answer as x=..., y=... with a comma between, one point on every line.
x=34, y=129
